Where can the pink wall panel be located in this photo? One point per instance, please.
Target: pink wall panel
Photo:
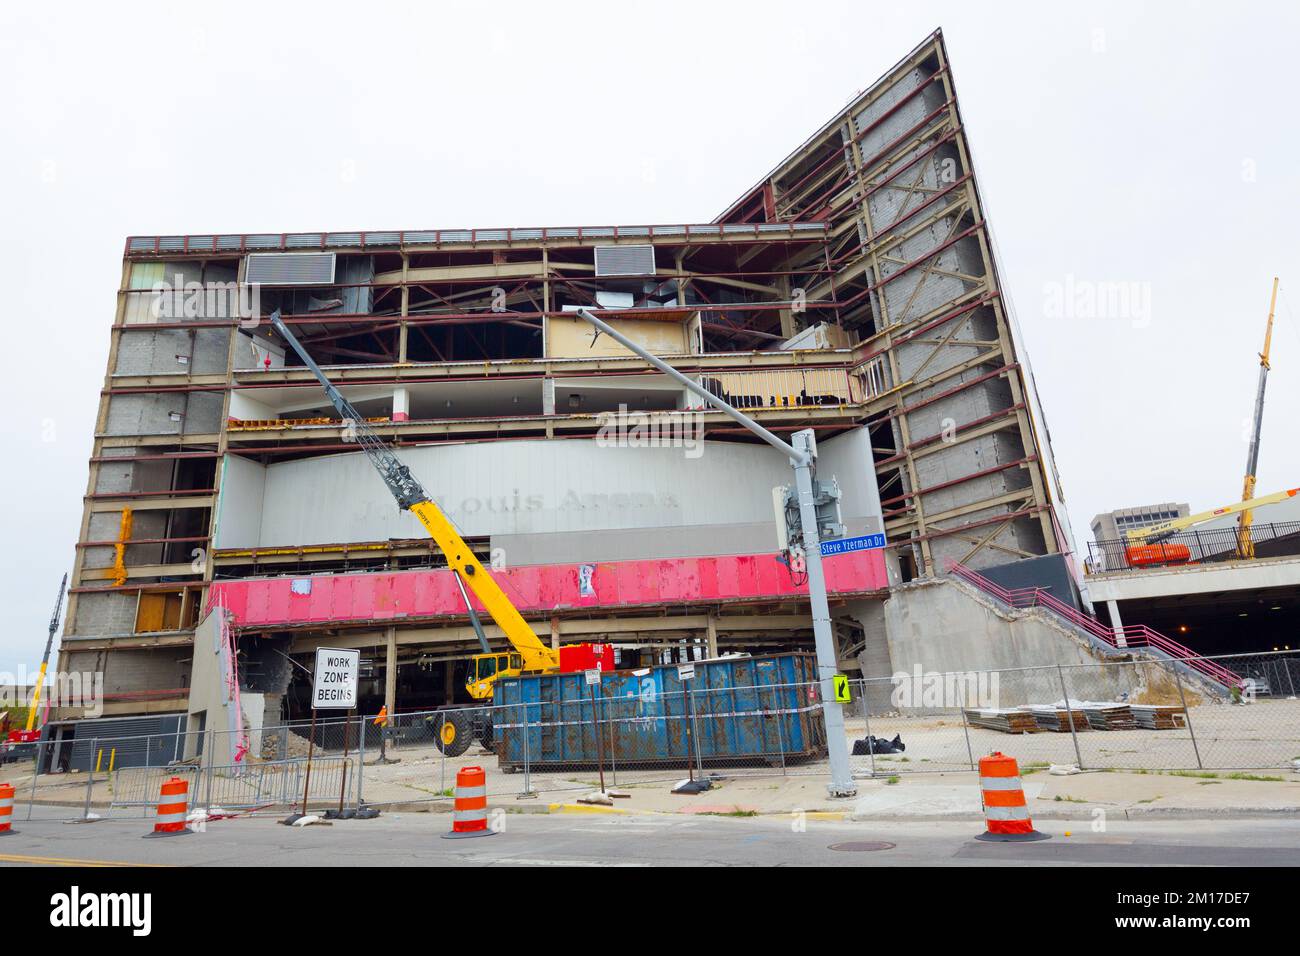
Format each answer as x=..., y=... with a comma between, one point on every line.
x=707, y=571
x=273, y=602
x=403, y=594
x=620, y=583
x=344, y=593
x=844, y=571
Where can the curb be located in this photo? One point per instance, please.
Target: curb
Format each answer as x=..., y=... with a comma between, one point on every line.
x=1086, y=813
x=447, y=806
x=587, y=808
x=1192, y=813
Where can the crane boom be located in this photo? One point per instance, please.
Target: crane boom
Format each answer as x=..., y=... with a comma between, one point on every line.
x=1245, y=543
x=45, y=658
x=1153, y=532
x=411, y=496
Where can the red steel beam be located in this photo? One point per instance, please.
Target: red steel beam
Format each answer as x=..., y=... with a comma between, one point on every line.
x=957, y=481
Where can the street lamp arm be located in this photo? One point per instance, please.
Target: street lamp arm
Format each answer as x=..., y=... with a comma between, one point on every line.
x=796, y=456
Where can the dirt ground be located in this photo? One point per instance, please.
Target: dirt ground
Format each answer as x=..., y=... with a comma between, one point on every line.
x=1258, y=736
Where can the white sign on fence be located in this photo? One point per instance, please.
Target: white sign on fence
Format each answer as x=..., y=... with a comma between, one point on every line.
x=593, y=675
x=335, y=686
x=685, y=671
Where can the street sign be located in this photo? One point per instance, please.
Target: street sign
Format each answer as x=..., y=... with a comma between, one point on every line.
x=593, y=676
x=685, y=671
x=335, y=683
x=866, y=542
x=842, y=693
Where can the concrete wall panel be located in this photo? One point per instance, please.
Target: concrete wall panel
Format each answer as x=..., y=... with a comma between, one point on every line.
x=145, y=351
x=565, y=489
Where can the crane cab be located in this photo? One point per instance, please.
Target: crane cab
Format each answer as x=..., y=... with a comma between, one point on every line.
x=486, y=668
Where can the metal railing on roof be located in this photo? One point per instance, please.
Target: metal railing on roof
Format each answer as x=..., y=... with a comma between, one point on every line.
x=290, y=241
x=1213, y=546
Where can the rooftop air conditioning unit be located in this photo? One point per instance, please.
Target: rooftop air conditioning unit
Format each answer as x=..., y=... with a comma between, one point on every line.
x=625, y=260
x=289, y=268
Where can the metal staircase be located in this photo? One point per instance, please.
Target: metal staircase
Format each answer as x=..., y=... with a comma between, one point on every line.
x=1133, y=637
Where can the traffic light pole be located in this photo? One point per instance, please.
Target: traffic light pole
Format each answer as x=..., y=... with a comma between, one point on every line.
x=803, y=457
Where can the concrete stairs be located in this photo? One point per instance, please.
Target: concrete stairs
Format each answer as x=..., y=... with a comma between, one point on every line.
x=1138, y=641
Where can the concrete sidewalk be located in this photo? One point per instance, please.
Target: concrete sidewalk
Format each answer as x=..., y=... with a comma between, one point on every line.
x=955, y=796
x=421, y=783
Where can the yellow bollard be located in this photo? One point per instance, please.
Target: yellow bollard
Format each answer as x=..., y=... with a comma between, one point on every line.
x=99, y=758
x=112, y=758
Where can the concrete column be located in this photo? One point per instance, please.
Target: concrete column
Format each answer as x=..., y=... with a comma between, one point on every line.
x=711, y=635
x=1117, y=623
x=401, y=404
x=786, y=315
x=555, y=633
x=548, y=396
x=875, y=659
x=390, y=673
x=406, y=310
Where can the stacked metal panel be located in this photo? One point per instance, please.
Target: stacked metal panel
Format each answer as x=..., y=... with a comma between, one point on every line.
x=1159, y=716
x=1110, y=716
x=1009, y=720
x=1056, y=718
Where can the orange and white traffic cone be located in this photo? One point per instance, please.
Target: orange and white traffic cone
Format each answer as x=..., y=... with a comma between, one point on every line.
x=1006, y=815
x=6, y=809
x=173, y=803
x=470, y=816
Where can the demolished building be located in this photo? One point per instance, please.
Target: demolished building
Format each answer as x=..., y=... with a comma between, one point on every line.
x=853, y=291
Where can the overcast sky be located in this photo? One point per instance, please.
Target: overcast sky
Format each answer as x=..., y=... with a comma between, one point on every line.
x=1154, y=145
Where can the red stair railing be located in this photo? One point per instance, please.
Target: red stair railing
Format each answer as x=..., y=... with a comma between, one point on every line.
x=1133, y=635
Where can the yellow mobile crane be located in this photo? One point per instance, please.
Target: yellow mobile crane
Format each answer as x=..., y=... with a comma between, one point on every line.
x=455, y=732
x=30, y=734
x=1143, y=548
x=1245, y=543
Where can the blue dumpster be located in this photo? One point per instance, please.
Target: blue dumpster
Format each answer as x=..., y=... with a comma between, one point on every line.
x=741, y=709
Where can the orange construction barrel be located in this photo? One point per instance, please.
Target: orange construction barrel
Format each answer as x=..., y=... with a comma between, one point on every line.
x=173, y=804
x=6, y=808
x=1006, y=815
x=469, y=818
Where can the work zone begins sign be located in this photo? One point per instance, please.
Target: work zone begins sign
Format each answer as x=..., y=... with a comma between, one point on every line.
x=335, y=686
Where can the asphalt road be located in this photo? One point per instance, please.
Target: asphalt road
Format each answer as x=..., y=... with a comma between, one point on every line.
x=414, y=839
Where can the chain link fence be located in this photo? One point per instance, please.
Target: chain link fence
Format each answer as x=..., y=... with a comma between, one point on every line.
x=1117, y=715
x=1139, y=714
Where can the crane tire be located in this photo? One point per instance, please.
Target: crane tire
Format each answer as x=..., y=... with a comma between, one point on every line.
x=452, y=733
